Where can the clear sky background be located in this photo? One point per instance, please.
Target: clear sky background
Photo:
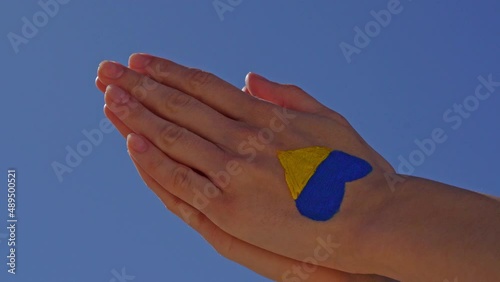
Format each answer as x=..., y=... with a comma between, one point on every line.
x=101, y=218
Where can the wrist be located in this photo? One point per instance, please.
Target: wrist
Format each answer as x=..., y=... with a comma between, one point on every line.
x=381, y=208
x=365, y=202
x=421, y=230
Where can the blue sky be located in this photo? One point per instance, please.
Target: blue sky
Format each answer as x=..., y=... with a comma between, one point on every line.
x=396, y=90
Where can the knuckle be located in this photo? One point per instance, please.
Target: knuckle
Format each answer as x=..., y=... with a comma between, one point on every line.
x=342, y=119
x=225, y=248
x=240, y=134
x=339, y=118
x=143, y=87
x=171, y=133
x=198, y=78
x=174, y=204
x=294, y=88
x=182, y=177
x=244, y=130
x=266, y=137
x=121, y=111
x=137, y=110
x=261, y=111
x=155, y=164
x=265, y=110
x=211, y=191
x=160, y=70
x=226, y=178
x=176, y=101
x=197, y=220
x=149, y=84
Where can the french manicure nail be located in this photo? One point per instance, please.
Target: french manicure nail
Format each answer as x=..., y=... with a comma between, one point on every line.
x=139, y=60
x=137, y=143
x=111, y=70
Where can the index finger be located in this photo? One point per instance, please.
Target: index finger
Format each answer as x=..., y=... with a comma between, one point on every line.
x=204, y=86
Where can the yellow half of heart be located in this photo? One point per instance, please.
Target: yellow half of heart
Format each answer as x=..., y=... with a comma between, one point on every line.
x=300, y=165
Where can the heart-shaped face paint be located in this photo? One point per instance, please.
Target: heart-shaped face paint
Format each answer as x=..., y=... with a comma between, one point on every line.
x=316, y=177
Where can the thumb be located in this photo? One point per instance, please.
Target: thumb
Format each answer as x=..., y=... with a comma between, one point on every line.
x=284, y=95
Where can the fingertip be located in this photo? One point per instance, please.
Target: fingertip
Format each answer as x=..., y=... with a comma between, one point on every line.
x=110, y=70
x=139, y=60
x=247, y=78
x=253, y=76
x=137, y=143
x=245, y=90
x=256, y=82
x=99, y=84
x=107, y=112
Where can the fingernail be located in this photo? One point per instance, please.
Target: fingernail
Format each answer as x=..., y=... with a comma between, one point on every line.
x=111, y=69
x=137, y=143
x=139, y=60
x=117, y=95
x=247, y=77
x=258, y=76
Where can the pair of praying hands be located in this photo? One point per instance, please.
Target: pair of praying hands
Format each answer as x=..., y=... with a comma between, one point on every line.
x=209, y=151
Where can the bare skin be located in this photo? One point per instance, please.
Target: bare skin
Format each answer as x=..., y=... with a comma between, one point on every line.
x=208, y=150
x=268, y=264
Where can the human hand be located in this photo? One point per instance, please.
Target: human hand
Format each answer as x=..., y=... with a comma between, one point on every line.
x=263, y=262
x=183, y=153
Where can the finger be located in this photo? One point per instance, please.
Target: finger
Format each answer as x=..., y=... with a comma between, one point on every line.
x=204, y=86
x=245, y=89
x=169, y=103
x=287, y=96
x=167, y=198
x=177, y=142
x=122, y=128
x=263, y=262
x=177, y=179
x=259, y=260
x=100, y=85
